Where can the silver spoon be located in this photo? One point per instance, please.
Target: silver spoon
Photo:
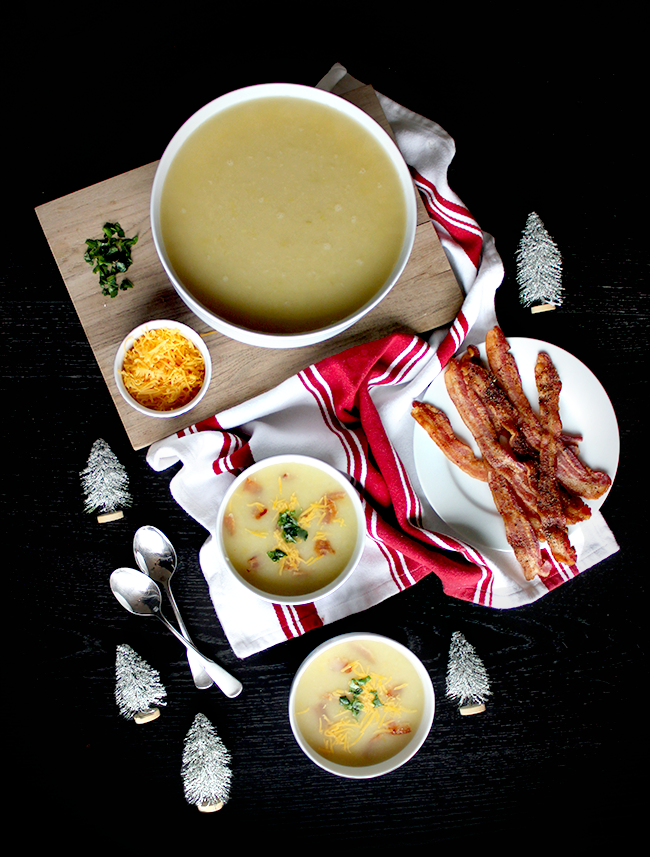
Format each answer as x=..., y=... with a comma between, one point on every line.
x=155, y=556
x=141, y=595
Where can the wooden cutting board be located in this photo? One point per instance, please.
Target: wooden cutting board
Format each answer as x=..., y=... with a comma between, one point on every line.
x=426, y=296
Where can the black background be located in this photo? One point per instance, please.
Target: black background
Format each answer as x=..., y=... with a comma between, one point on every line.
x=545, y=119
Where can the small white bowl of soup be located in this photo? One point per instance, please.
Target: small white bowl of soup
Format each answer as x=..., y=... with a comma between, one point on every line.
x=361, y=705
x=162, y=368
x=290, y=529
x=282, y=214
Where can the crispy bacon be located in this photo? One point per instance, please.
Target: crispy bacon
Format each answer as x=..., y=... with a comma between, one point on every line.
x=477, y=419
x=552, y=515
x=322, y=546
x=259, y=510
x=229, y=523
x=397, y=728
x=520, y=532
x=572, y=473
x=575, y=508
x=251, y=486
x=503, y=413
x=439, y=429
x=330, y=510
x=531, y=466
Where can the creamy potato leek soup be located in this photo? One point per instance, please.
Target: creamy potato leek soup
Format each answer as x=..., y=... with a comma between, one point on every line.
x=282, y=215
x=289, y=529
x=359, y=702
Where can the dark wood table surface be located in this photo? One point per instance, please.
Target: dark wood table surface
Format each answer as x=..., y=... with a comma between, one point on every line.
x=559, y=754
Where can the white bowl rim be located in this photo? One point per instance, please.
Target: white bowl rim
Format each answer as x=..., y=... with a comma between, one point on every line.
x=338, y=581
x=246, y=93
x=407, y=752
x=130, y=338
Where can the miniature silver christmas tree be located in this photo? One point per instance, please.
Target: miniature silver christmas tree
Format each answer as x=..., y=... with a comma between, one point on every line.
x=105, y=483
x=206, y=767
x=539, y=267
x=138, y=689
x=467, y=679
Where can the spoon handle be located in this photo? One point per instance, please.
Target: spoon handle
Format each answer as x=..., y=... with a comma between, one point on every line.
x=230, y=686
x=201, y=677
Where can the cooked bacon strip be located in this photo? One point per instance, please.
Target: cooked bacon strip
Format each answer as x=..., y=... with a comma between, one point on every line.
x=572, y=473
x=439, y=429
x=520, y=533
x=554, y=524
x=505, y=416
x=575, y=508
x=545, y=513
x=477, y=419
x=578, y=477
x=470, y=355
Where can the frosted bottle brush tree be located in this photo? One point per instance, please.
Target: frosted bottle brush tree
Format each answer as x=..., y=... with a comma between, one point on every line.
x=539, y=267
x=105, y=483
x=138, y=688
x=206, y=767
x=467, y=678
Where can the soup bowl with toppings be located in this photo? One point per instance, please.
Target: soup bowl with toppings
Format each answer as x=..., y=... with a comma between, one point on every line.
x=162, y=368
x=290, y=529
x=282, y=214
x=361, y=705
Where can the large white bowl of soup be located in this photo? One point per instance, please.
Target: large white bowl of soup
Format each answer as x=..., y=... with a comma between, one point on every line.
x=290, y=529
x=282, y=214
x=361, y=705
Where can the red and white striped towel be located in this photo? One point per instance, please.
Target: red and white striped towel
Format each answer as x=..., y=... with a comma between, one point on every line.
x=353, y=411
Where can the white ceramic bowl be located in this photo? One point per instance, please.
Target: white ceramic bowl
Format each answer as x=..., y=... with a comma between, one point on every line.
x=403, y=755
x=128, y=342
x=258, y=337
x=345, y=572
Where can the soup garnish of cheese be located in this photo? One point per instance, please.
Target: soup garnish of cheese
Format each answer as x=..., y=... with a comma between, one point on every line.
x=359, y=703
x=289, y=529
x=282, y=215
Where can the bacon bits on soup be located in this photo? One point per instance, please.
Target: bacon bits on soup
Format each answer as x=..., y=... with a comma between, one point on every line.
x=289, y=529
x=359, y=703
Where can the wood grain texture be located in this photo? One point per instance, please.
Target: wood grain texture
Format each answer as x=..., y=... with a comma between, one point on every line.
x=426, y=296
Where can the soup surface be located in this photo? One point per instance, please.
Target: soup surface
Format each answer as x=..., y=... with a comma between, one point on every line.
x=359, y=702
x=289, y=529
x=282, y=215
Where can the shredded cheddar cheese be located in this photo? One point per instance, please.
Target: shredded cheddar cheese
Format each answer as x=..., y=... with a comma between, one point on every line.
x=293, y=559
x=380, y=712
x=163, y=370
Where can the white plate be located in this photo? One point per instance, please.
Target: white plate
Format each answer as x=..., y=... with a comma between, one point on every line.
x=464, y=503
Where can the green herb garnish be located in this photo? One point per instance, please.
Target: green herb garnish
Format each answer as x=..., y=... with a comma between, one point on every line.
x=356, y=684
x=355, y=687
x=290, y=528
x=353, y=705
x=111, y=256
x=376, y=701
x=276, y=555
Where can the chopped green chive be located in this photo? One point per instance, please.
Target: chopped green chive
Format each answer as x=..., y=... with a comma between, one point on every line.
x=110, y=256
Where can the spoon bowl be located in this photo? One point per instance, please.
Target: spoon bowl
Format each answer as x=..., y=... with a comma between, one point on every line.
x=154, y=554
x=136, y=592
